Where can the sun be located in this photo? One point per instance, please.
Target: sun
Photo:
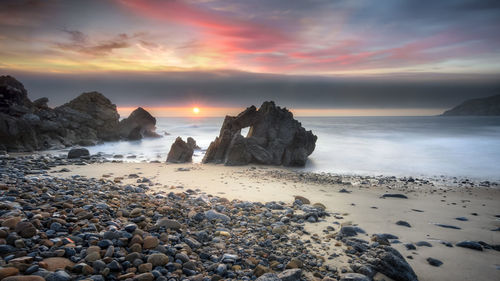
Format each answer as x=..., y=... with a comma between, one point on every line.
x=196, y=110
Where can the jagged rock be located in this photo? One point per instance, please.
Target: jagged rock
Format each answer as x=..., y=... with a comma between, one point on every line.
x=274, y=138
x=489, y=106
x=180, y=152
x=78, y=153
x=139, y=124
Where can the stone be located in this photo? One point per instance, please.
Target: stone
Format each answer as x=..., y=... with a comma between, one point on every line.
x=354, y=277
x=25, y=229
x=78, y=153
x=302, y=199
x=145, y=267
x=260, y=270
x=8, y=271
x=403, y=223
x=150, y=242
x=268, y=277
x=290, y=275
x=60, y=275
x=24, y=278
x=168, y=223
x=434, y=262
x=214, y=215
x=180, y=152
x=394, y=195
x=158, y=259
x=274, y=138
x=294, y=263
x=56, y=263
x=145, y=277
x=470, y=245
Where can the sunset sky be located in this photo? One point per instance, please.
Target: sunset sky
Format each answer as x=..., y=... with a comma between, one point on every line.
x=327, y=54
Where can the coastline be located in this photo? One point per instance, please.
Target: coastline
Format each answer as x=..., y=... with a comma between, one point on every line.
x=362, y=207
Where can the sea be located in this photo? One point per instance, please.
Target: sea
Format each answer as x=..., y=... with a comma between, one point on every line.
x=434, y=146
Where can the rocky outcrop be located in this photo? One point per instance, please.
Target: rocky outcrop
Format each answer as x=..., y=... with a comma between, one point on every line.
x=489, y=106
x=180, y=152
x=139, y=124
x=95, y=112
x=26, y=126
x=274, y=138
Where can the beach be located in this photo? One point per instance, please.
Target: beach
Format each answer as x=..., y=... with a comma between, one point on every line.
x=349, y=200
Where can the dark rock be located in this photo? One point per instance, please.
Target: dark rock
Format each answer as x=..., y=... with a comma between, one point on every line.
x=403, y=223
x=470, y=245
x=434, y=262
x=354, y=277
x=290, y=275
x=423, y=244
x=462, y=219
x=78, y=153
x=488, y=106
x=389, y=262
x=96, y=112
x=139, y=124
x=394, y=195
x=274, y=138
x=268, y=277
x=12, y=94
x=348, y=231
x=192, y=143
x=447, y=226
x=180, y=152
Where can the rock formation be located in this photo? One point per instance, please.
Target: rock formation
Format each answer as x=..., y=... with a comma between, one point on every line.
x=274, y=138
x=26, y=126
x=192, y=143
x=180, y=152
x=139, y=124
x=489, y=106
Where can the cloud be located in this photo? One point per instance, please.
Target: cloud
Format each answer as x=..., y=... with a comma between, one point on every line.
x=80, y=43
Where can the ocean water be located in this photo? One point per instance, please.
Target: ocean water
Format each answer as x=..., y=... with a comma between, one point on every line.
x=391, y=146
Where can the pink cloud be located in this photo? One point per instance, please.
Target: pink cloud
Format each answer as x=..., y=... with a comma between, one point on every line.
x=228, y=34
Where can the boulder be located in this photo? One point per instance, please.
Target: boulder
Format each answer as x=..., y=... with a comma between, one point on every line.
x=78, y=153
x=274, y=138
x=180, y=152
x=139, y=124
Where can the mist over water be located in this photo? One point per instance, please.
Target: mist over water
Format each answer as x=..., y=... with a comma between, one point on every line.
x=399, y=146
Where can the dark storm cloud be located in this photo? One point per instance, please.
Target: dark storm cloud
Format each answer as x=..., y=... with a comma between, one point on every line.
x=230, y=88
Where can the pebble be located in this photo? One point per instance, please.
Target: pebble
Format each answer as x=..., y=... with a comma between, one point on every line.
x=434, y=262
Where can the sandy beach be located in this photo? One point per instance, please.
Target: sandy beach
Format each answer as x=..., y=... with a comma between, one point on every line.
x=360, y=204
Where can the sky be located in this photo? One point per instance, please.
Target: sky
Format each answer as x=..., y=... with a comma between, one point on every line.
x=332, y=56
